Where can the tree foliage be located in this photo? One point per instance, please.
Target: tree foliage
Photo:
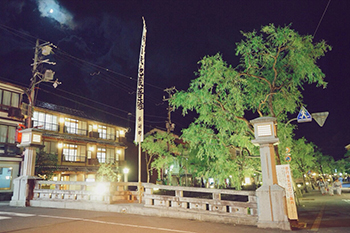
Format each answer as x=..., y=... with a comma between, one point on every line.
x=274, y=66
x=162, y=152
x=45, y=164
x=106, y=173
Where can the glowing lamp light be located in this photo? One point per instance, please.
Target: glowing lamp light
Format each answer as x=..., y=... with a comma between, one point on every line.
x=94, y=126
x=126, y=170
x=264, y=130
x=60, y=145
x=51, y=11
x=31, y=137
x=247, y=181
x=61, y=120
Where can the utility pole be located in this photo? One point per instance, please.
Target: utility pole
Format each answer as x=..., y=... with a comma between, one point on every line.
x=32, y=138
x=38, y=77
x=169, y=126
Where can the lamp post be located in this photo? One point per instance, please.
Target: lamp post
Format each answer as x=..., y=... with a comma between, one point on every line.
x=271, y=197
x=126, y=171
x=23, y=185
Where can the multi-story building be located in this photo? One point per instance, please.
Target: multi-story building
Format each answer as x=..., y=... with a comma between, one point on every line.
x=80, y=142
x=10, y=117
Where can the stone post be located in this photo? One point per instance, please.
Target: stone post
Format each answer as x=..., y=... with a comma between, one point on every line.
x=272, y=210
x=24, y=185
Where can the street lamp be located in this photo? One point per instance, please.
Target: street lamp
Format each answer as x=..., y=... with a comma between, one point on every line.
x=125, y=171
x=271, y=197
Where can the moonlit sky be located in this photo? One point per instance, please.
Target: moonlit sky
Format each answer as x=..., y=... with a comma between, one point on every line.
x=98, y=46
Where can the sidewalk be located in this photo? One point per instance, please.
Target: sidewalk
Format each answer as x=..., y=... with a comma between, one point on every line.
x=324, y=213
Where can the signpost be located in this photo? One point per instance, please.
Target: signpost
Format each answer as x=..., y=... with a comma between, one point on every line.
x=284, y=177
x=320, y=117
x=304, y=115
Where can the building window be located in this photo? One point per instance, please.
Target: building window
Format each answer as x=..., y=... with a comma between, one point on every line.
x=75, y=126
x=102, y=131
x=51, y=147
x=110, y=133
x=45, y=121
x=9, y=99
x=101, y=154
x=7, y=134
x=5, y=177
x=110, y=155
x=74, y=153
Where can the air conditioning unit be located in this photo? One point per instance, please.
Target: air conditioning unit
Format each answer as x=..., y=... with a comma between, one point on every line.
x=15, y=112
x=94, y=134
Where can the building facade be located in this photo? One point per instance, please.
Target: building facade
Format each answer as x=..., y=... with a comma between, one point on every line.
x=80, y=142
x=10, y=117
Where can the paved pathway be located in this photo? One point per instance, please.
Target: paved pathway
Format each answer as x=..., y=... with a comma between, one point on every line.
x=324, y=213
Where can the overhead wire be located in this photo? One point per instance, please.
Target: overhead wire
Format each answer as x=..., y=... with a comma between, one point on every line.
x=94, y=101
x=319, y=22
x=85, y=65
x=89, y=106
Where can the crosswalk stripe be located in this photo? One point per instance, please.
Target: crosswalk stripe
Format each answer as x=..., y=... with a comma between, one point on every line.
x=16, y=214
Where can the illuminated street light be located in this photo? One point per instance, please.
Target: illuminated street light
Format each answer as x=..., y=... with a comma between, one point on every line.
x=126, y=171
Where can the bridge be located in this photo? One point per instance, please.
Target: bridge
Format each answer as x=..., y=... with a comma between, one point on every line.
x=316, y=212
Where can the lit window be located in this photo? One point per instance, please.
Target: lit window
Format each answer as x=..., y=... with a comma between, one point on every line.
x=101, y=154
x=102, y=131
x=45, y=121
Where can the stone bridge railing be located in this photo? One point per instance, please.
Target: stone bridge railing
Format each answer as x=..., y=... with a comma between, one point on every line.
x=203, y=204
x=223, y=202
x=102, y=192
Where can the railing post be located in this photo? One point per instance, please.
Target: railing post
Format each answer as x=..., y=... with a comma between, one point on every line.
x=217, y=196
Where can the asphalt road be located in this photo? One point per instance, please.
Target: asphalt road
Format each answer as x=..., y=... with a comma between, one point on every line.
x=317, y=213
x=40, y=220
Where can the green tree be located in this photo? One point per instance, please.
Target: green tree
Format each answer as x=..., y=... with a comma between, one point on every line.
x=45, y=164
x=303, y=160
x=106, y=172
x=274, y=66
x=325, y=163
x=162, y=152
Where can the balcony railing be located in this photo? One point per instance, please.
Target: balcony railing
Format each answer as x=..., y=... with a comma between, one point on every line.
x=46, y=125
x=73, y=158
x=76, y=131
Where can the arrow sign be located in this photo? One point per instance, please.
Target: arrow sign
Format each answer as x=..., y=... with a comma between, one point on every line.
x=288, y=158
x=320, y=117
x=304, y=115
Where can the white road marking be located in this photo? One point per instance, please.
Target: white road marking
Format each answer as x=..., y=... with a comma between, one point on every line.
x=16, y=214
x=317, y=221
x=346, y=200
x=119, y=224
x=1, y=217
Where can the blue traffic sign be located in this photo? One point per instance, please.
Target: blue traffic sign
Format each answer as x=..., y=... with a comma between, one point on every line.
x=304, y=115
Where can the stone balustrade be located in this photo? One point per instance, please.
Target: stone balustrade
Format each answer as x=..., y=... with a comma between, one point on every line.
x=212, y=201
x=219, y=205
x=102, y=192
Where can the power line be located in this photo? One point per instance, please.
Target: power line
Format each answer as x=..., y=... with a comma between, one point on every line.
x=324, y=12
x=90, y=100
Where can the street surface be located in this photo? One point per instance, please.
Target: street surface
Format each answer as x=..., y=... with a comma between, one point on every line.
x=317, y=213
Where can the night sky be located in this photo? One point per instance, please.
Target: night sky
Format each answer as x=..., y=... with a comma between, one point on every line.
x=98, y=45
